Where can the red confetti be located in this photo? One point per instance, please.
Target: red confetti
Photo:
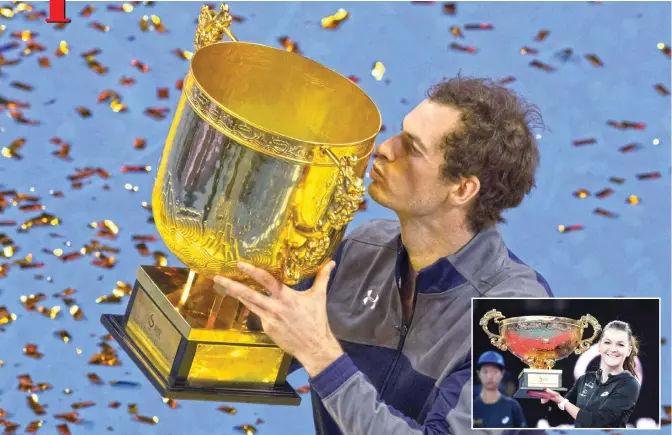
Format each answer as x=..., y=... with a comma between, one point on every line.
x=481, y=26
x=604, y=193
x=449, y=8
x=624, y=125
x=463, y=48
x=570, y=228
x=648, y=176
x=542, y=66
x=603, y=212
x=528, y=50
x=139, y=65
x=581, y=142
x=662, y=90
x=541, y=35
x=629, y=147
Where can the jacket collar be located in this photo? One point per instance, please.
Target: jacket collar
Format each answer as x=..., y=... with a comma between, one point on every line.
x=480, y=258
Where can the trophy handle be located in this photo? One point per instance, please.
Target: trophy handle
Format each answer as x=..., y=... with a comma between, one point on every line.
x=496, y=340
x=212, y=26
x=586, y=321
x=348, y=195
x=349, y=192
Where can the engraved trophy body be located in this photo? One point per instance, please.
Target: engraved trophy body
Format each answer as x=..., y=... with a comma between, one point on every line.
x=263, y=163
x=539, y=342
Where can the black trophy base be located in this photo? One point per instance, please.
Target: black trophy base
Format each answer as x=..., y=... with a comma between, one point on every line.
x=280, y=395
x=536, y=381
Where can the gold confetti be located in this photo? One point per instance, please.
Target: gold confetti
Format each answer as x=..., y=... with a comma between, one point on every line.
x=63, y=429
x=617, y=180
x=289, y=45
x=581, y=193
x=594, y=60
x=378, y=71
x=247, y=429
x=162, y=93
x=148, y=420
x=34, y=404
x=44, y=62
x=87, y=11
x=31, y=351
x=62, y=49
x=456, y=31
x=183, y=54
x=542, y=35
x=114, y=404
x=171, y=403
x=98, y=26
x=569, y=228
x=528, y=50
x=76, y=312
x=632, y=200
x=664, y=48
x=33, y=426
x=64, y=335
x=228, y=409
x=334, y=21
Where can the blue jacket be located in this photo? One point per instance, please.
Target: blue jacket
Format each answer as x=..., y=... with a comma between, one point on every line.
x=395, y=380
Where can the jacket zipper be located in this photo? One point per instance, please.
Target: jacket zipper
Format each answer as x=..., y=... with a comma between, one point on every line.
x=404, y=331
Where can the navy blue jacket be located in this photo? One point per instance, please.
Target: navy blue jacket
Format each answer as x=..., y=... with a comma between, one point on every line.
x=395, y=380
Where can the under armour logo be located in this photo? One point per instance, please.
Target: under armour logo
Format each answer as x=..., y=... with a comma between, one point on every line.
x=368, y=299
x=604, y=394
x=505, y=420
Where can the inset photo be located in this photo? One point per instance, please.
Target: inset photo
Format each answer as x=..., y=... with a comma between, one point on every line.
x=566, y=363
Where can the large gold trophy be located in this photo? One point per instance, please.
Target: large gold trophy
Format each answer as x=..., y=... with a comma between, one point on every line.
x=263, y=163
x=540, y=341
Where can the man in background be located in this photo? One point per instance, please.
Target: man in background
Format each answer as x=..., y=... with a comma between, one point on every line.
x=492, y=409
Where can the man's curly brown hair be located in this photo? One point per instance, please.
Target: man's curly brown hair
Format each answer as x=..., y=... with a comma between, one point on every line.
x=494, y=144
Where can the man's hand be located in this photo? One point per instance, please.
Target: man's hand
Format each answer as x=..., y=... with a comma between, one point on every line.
x=295, y=320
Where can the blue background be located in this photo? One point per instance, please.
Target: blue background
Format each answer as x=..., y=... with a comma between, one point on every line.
x=628, y=255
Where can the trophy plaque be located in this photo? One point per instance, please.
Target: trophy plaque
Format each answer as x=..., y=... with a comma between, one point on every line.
x=263, y=163
x=540, y=341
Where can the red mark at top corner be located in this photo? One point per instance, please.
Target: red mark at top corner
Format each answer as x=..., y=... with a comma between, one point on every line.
x=57, y=12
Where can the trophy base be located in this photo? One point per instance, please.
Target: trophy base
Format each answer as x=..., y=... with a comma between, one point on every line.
x=536, y=381
x=193, y=344
x=278, y=395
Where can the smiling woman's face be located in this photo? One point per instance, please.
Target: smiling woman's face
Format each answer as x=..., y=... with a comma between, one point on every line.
x=614, y=347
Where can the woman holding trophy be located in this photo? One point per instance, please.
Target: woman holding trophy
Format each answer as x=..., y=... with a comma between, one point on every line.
x=607, y=397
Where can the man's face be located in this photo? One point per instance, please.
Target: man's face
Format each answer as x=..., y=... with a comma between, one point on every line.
x=407, y=172
x=490, y=376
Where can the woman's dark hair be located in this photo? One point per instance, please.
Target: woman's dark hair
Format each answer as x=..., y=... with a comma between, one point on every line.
x=494, y=143
x=629, y=363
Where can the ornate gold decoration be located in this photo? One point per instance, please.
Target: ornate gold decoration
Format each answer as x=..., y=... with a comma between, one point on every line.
x=212, y=26
x=540, y=341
